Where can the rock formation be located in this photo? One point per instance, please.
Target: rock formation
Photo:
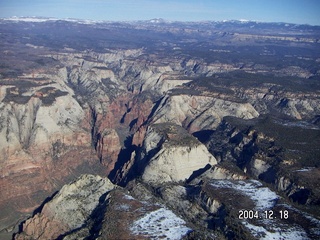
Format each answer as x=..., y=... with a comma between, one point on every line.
x=68, y=209
x=200, y=112
x=93, y=207
x=172, y=155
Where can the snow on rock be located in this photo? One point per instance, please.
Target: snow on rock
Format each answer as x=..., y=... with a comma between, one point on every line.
x=160, y=224
x=314, y=223
x=263, y=197
x=308, y=169
x=128, y=197
x=284, y=233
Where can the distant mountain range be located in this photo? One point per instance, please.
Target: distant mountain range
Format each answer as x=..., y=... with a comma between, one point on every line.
x=153, y=21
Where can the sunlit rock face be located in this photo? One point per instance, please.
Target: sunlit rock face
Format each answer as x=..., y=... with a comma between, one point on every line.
x=200, y=112
x=171, y=154
x=68, y=210
x=92, y=207
x=42, y=143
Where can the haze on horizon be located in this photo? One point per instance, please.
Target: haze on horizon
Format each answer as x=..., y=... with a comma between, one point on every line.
x=290, y=11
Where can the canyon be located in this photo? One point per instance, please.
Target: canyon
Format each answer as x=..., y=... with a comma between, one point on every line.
x=115, y=128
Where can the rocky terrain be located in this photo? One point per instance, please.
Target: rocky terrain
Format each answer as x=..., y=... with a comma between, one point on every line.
x=160, y=130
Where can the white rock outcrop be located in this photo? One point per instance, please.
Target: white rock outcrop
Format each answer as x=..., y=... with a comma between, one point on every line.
x=258, y=167
x=75, y=201
x=68, y=210
x=35, y=124
x=220, y=173
x=200, y=112
x=178, y=154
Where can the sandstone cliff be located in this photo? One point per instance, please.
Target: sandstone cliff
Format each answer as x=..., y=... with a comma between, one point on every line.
x=92, y=207
x=197, y=113
x=68, y=209
x=170, y=154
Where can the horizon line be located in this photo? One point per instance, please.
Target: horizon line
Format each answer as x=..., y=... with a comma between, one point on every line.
x=161, y=20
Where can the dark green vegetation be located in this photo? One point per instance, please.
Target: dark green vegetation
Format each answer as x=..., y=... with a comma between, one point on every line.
x=289, y=147
x=298, y=140
x=239, y=79
x=176, y=135
x=15, y=94
x=50, y=94
x=211, y=41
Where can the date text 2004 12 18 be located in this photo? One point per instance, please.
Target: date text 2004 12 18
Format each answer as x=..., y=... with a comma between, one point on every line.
x=267, y=214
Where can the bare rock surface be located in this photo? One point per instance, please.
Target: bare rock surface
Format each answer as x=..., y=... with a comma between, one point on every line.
x=92, y=207
x=172, y=154
x=200, y=112
x=68, y=210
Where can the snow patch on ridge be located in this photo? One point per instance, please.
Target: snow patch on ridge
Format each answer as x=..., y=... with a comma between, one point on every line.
x=263, y=197
x=160, y=223
x=266, y=199
x=35, y=19
x=277, y=233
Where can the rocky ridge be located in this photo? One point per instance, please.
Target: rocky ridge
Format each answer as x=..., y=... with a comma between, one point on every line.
x=171, y=155
x=86, y=208
x=68, y=209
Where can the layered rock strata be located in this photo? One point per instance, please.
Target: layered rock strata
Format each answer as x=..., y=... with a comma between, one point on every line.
x=172, y=155
x=68, y=209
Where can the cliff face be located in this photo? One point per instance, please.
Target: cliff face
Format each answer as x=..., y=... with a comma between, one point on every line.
x=95, y=110
x=297, y=105
x=68, y=209
x=41, y=145
x=270, y=156
x=171, y=155
x=197, y=113
x=92, y=207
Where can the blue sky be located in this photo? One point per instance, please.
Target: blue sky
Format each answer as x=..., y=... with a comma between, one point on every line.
x=292, y=11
